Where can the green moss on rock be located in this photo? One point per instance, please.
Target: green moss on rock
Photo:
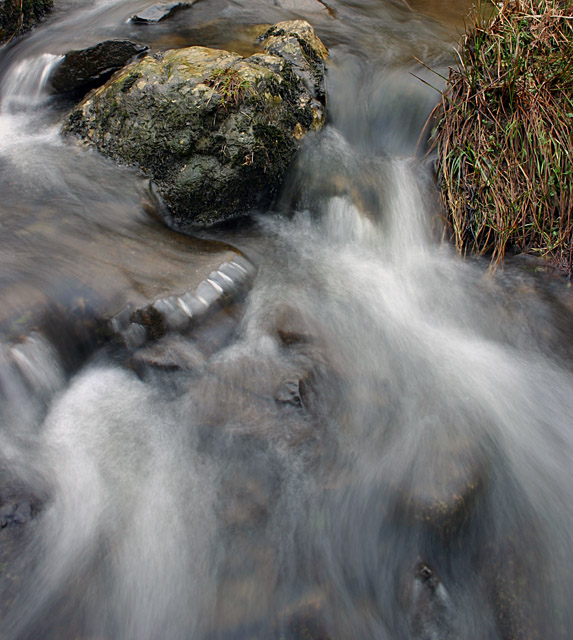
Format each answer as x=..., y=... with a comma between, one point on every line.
x=212, y=129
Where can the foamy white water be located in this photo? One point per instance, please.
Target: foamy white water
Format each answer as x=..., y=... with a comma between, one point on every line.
x=378, y=447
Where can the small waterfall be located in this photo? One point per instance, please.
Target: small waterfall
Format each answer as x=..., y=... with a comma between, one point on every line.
x=407, y=228
x=24, y=89
x=23, y=98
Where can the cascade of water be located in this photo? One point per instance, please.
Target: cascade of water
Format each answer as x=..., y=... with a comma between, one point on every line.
x=379, y=448
x=23, y=95
x=24, y=88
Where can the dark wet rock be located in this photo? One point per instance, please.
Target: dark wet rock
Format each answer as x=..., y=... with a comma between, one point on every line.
x=302, y=49
x=131, y=333
x=289, y=393
x=158, y=12
x=18, y=505
x=213, y=130
x=292, y=327
x=15, y=513
x=19, y=16
x=160, y=316
x=18, y=510
x=74, y=329
x=431, y=606
x=84, y=69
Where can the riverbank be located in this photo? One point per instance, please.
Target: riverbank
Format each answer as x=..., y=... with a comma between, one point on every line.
x=505, y=134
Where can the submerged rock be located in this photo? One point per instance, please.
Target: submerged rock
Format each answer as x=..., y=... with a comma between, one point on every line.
x=443, y=496
x=158, y=12
x=15, y=513
x=306, y=6
x=18, y=505
x=214, y=130
x=431, y=611
x=304, y=619
x=84, y=69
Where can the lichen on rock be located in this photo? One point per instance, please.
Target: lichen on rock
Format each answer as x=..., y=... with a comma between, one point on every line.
x=212, y=129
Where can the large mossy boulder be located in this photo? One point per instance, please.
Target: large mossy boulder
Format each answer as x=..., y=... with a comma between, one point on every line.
x=212, y=129
x=18, y=16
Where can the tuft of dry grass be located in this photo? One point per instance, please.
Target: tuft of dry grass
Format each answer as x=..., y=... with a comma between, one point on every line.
x=230, y=85
x=505, y=133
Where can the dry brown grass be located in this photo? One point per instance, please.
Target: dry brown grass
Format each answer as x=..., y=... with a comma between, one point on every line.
x=505, y=133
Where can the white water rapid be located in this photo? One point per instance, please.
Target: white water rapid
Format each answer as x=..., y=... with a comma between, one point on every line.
x=376, y=443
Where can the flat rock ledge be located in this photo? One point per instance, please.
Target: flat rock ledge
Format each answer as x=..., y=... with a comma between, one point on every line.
x=213, y=130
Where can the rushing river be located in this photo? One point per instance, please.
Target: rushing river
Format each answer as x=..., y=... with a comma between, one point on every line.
x=376, y=442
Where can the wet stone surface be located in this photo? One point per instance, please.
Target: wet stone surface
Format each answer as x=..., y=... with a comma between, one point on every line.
x=85, y=69
x=158, y=12
x=180, y=314
x=443, y=496
x=170, y=353
x=214, y=130
x=19, y=507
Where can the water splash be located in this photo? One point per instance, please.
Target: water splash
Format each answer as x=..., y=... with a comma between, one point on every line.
x=24, y=88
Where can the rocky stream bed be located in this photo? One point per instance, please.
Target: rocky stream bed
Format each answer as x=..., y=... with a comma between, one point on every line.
x=247, y=390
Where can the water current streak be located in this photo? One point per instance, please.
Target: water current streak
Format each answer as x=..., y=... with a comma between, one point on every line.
x=376, y=443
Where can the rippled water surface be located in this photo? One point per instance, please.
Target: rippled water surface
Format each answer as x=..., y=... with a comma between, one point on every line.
x=376, y=442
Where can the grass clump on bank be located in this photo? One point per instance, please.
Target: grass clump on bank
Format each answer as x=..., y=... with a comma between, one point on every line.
x=505, y=135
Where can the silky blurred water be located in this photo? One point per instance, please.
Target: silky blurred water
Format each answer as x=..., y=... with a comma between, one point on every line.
x=375, y=444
